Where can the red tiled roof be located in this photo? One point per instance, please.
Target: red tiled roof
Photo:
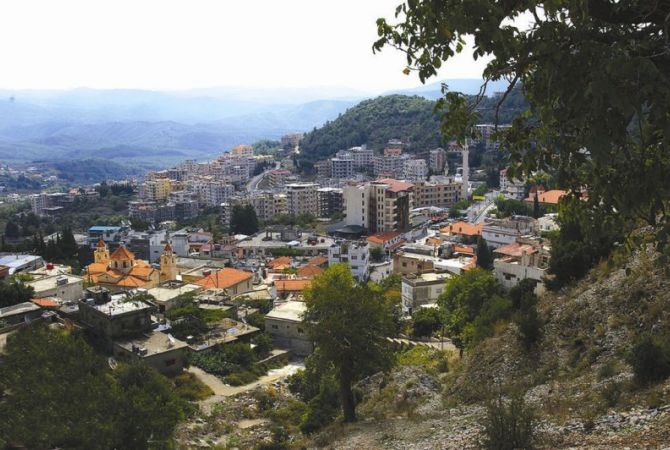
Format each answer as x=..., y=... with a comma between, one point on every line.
x=224, y=278
x=280, y=263
x=45, y=302
x=318, y=260
x=122, y=253
x=549, y=197
x=101, y=244
x=383, y=238
x=309, y=271
x=291, y=285
x=396, y=185
x=515, y=249
x=464, y=249
x=463, y=228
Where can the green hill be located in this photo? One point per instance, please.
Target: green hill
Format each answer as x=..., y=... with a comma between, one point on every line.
x=409, y=118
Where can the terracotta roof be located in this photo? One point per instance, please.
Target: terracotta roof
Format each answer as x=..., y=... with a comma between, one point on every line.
x=515, y=249
x=280, y=263
x=291, y=285
x=101, y=244
x=122, y=253
x=224, y=278
x=131, y=281
x=309, y=271
x=45, y=302
x=96, y=268
x=549, y=197
x=396, y=185
x=318, y=260
x=140, y=271
x=433, y=241
x=168, y=248
x=463, y=228
x=382, y=238
x=464, y=249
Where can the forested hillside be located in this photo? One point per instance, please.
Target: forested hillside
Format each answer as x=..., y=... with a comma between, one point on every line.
x=411, y=119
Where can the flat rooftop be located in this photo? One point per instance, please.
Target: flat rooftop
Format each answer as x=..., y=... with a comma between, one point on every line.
x=21, y=308
x=51, y=282
x=154, y=343
x=291, y=311
x=119, y=304
x=166, y=293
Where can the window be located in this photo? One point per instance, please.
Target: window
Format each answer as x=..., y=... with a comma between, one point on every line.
x=275, y=327
x=171, y=362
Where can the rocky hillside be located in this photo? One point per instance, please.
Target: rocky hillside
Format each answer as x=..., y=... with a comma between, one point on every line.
x=576, y=378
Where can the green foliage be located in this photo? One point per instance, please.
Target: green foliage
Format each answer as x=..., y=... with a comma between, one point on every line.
x=426, y=321
x=323, y=408
x=12, y=230
x=263, y=345
x=588, y=233
x=14, y=292
x=650, y=358
x=234, y=362
x=481, y=190
x=524, y=302
x=376, y=254
x=187, y=386
x=93, y=170
x=484, y=254
x=509, y=424
x=433, y=360
x=510, y=207
x=123, y=409
x=191, y=320
x=348, y=323
x=594, y=74
x=473, y=302
x=243, y=220
x=266, y=147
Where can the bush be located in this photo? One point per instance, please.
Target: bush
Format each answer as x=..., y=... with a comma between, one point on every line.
x=322, y=409
x=650, y=358
x=426, y=321
x=189, y=387
x=263, y=345
x=508, y=424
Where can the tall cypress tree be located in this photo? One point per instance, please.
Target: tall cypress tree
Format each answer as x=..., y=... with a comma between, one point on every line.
x=484, y=256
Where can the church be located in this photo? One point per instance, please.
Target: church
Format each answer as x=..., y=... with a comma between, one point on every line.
x=120, y=271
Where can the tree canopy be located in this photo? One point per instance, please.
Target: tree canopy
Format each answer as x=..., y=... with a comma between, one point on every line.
x=349, y=324
x=596, y=75
x=243, y=220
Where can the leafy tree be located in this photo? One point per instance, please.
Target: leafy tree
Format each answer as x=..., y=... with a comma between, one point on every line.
x=537, y=213
x=484, y=255
x=524, y=302
x=426, y=321
x=509, y=424
x=650, y=358
x=596, y=76
x=12, y=230
x=14, y=292
x=473, y=302
x=123, y=409
x=376, y=253
x=349, y=326
x=243, y=220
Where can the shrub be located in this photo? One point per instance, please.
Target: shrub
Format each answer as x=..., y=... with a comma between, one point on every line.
x=426, y=321
x=650, y=358
x=263, y=345
x=189, y=387
x=509, y=424
x=323, y=408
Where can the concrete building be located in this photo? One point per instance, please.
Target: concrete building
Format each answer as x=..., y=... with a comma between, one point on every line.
x=354, y=253
x=438, y=159
x=301, y=198
x=285, y=324
x=156, y=190
x=330, y=201
x=356, y=199
x=379, y=206
x=389, y=165
x=440, y=191
x=65, y=287
x=218, y=192
x=278, y=178
x=166, y=295
x=20, y=313
x=421, y=289
x=21, y=263
x=499, y=232
x=512, y=188
x=527, y=257
x=415, y=170
x=161, y=351
x=342, y=168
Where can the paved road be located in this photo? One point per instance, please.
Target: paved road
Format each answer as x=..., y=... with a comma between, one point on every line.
x=252, y=185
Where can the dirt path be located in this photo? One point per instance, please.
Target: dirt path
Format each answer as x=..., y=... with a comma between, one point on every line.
x=222, y=390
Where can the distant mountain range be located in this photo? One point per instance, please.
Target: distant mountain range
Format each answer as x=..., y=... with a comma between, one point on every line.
x=157, y=128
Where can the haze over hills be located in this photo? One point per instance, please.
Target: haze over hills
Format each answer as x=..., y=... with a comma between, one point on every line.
x=157, y=128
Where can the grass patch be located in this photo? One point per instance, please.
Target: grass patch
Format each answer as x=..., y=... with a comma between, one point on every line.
x=189, y=387
x=433, y=360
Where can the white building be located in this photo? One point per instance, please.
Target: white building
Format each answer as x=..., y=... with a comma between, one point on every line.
x=65, y=287
x=356, y=254
x=285, y=324
x=527, y=257
x=417, y=290
x=438, y=159
x=512, y=188
x=415, y=170
x=342, y=168
x=499, y=232
x=301, y=198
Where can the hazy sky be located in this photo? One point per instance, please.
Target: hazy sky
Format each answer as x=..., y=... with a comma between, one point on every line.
x=166, y=44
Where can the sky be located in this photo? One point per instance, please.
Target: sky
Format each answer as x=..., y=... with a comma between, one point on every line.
x=185, y=44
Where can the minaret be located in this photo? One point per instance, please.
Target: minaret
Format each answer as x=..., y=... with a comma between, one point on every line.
x=168, y=263
x=101, y=253
x=465, y=153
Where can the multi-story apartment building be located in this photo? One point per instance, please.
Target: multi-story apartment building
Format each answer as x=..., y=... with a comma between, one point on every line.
x=330, y=201
x=301, y=198
x=157, y=189
x=379, y=206
x=342, y=167
x=440, y=191
x=278, y=178
x=499, y=232
x=291, y=140
x=356, y=254
x=415, y=170
x=323, y=168
x=218, y=192
x=438, y=159
x=389, y=165
x=243, y=150
x=512, y=188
